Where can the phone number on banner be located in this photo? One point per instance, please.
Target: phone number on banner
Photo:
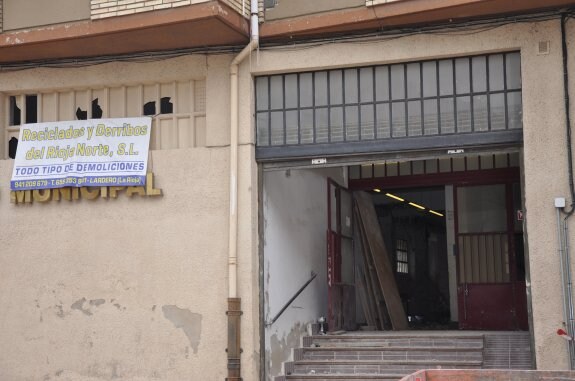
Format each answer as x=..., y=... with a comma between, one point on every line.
x=88, y=181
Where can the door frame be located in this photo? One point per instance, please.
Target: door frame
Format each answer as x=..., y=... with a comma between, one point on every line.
x=338, y=293
x=507, y=176
x=515, y=286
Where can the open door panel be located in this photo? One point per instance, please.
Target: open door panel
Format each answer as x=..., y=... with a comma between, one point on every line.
x=340, y=259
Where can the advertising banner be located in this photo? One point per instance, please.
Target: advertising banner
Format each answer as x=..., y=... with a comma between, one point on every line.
x=82, y=153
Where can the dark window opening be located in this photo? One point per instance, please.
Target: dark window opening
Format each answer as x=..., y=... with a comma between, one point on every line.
x=31, y=109
x=166, y=107
x=96, y=110
x=15, y=113
x=12, y=147
x=81, y=114
x=150, y=109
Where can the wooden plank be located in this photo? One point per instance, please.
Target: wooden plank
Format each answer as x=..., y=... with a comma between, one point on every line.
x=384, y=271
x=373, y=285
x=364, y=280
x=366, y=304
x=348, y=307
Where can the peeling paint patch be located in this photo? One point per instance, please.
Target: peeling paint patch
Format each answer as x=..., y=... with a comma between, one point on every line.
x=97, y=302
x=79, y=305
x=189, y=322
x=110, y=370
x=59, y=311
x=83, y=305
x=281, y=349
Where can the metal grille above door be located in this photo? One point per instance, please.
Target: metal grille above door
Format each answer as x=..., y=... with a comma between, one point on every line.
x=456, y=102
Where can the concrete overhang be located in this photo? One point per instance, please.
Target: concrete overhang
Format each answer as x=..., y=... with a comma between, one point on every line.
x=207, y=24
x=397, y=14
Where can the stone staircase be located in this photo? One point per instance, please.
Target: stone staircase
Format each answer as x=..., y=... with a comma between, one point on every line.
x=363, y=356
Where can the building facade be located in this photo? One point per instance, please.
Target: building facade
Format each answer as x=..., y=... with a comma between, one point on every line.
x=438, y=102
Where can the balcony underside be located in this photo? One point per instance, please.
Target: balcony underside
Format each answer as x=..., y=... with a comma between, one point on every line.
x=206, y=24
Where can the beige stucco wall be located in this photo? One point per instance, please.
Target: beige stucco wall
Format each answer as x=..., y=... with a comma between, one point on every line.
x=544, y=141
x=130, y=288
x=293, y=8
x=20, y=14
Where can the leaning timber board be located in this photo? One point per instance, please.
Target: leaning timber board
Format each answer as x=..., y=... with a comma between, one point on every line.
x=373, y=285
x=381, y=260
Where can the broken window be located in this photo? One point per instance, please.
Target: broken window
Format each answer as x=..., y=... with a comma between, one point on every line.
x=81, y=114
x=187, y=98
x=166, y=107
x=15, y=113
x=150, y=108
x=32, y=108
x=96, y=110
x=12, y=147
x=401, y=257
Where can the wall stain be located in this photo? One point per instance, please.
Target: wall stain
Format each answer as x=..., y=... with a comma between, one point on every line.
x=59, y=311
x=48, y=377
x=97, y=302
x=110, y=370
x=281, y=349
x=79, y=305
x=189, y=322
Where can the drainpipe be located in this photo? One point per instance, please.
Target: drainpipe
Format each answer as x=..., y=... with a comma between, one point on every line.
x=234, y=301
x=566, y=286
x=568, y=306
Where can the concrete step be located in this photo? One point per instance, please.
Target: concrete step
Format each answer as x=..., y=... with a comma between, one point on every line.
x=396, y=340
x=389, y=353
x=336, y=377
x=376, y=367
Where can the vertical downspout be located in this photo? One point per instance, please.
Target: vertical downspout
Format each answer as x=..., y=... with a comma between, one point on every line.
x=563, y=225
x=567, y=113
x=563, y=264
x=234, y=301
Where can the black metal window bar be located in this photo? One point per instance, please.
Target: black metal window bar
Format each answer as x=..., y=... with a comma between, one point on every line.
x=437, y=97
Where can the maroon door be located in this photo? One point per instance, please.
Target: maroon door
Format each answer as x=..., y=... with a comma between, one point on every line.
x=340, y=259
x=491, y=292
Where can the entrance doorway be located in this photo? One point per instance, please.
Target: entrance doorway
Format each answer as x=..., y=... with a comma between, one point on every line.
x=450, y=228
x=454, y=239
x=491, y=266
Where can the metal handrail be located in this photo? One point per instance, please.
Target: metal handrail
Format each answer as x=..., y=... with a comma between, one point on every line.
x=313, y=275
